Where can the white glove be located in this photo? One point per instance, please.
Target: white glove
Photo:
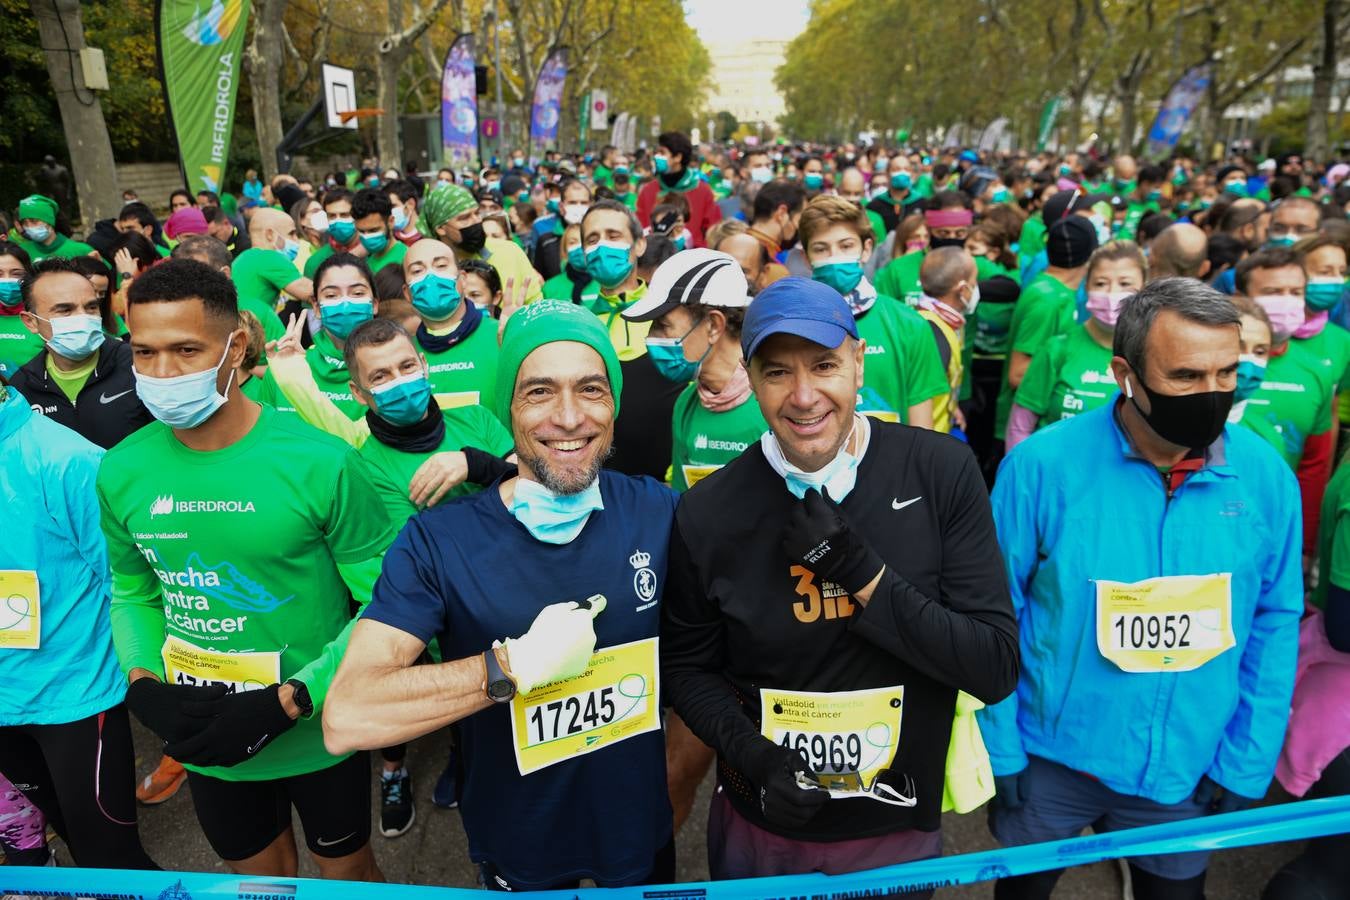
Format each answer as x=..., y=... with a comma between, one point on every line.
x=559, y=644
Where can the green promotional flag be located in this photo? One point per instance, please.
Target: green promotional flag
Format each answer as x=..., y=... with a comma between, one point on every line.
x=200, y=47
x=1048, y=115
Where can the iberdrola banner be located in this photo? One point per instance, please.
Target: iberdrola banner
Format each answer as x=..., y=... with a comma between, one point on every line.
x=459, y=106
x=200, y=48
x=546, y=114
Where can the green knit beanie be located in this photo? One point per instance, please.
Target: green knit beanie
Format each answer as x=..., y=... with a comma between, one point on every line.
x=545, y=322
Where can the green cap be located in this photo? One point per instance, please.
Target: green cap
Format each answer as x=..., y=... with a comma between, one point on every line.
x=36, y=206
x=546, y=322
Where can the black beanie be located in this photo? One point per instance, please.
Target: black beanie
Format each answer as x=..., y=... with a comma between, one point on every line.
x=1069, y=242
x=288, y=195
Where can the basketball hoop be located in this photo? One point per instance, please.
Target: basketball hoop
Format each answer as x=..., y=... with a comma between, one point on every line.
x=347, y=115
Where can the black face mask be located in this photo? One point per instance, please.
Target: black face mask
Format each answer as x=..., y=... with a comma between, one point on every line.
x=472, y=238
x=935, y=242
x=1187, y=420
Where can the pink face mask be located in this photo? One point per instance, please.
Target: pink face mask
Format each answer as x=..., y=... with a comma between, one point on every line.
x=1285, y=312
x=1105, y=306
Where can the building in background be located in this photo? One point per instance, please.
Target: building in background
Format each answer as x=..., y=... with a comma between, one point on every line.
x=742, y=82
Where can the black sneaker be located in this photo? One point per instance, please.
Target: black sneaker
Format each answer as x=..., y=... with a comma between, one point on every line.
x=396, y=803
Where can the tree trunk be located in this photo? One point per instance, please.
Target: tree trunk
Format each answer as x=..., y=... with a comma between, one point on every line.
x=1128, y=104
x=386, y=83
x=1316, y=144
x=262, y=60
x=91, y=156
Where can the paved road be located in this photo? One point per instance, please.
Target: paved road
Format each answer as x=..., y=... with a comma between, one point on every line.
x=434, y=851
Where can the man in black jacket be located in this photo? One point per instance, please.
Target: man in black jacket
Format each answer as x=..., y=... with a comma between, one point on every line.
x=83, y=379
x=817, y=636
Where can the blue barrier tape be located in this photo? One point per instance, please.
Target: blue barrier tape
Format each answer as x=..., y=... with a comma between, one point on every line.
x=1268, y=825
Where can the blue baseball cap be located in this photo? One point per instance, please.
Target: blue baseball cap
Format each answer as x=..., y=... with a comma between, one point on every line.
x=800, y=306
x=969, y=156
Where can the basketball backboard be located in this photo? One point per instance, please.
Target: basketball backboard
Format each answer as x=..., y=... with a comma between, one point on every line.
x=339, y=95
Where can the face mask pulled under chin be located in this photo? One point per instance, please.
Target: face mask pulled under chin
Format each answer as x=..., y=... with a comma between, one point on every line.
x=1187, y=420
x=838, y=476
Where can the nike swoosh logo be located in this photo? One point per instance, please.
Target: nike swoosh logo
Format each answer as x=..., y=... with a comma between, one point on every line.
x=322, y=843
x=896, y=504
x=254, y=749
x=104, y=398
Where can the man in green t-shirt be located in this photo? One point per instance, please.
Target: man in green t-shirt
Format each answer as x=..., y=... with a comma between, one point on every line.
x=374, y=217
x=267, y=268
x=1047, y=306
x=36, y=231
x=237, y=539
x=459, y=341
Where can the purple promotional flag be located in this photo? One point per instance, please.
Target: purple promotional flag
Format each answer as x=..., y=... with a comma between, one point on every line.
x=1176, y=109
x=546, y=113
x=459, y=105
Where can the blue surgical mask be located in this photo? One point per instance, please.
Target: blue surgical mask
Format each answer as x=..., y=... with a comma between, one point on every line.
x=668, y=356
x=661, y=165
x=902, y=181
x=75, y=337
x=838, y=476
x=375, y=243
x=1236, y=188
x=1153, y=196
x=610, y=262
x=38, y=233
x=576, y=258
x=404, y=400
x=291, y=249
x=400, y=218
x=435, y=296
x=342, y=314
x=1000, y=195
x=554, y=518
x=185, y=401
x=680, y=242
x=814, y=181
x=1284, y=240
x=840, y=273
x=1323, y=293
x=10, y=295
x=553, y=206
x=342, y=230
x=1251, y=371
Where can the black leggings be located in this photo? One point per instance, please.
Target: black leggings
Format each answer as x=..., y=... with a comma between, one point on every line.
x=82, y=776
x=1323, y=870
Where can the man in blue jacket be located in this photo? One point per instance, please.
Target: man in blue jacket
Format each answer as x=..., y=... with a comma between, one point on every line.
x=1154, y=562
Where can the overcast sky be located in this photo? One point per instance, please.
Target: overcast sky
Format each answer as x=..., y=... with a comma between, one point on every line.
x=718, y=21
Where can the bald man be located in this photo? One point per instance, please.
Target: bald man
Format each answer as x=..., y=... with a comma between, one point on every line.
x=459, y=339
x=267, y=268
x=750, y=255
x=1181, y=249
x=1125, y=172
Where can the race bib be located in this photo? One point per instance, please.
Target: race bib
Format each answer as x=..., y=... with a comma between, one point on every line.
x=195, y=667
x=20, y=610
x=1175, y=623
x=453, y=399
x=694, y=474
x=615, y=699
x=848, y=738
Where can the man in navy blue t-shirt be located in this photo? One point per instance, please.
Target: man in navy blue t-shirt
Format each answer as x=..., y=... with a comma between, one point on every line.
x=561, y=726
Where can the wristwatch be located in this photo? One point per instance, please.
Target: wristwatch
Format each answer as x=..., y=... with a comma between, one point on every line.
x=499, y=687
x=301, y=697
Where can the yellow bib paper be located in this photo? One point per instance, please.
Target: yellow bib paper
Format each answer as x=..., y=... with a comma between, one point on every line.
x=1175, y=623
x=847, y=737
x=694, y=474
x=616, y=698
x=20, y=610
x=195, y=667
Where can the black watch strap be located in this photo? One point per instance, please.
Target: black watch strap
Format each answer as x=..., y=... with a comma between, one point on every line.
x=499, y=687
x=301, y=697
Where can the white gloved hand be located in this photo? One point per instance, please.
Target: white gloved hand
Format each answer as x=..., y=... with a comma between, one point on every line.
x=559, y=644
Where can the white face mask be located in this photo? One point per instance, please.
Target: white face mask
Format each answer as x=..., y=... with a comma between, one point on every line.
x=838, y=476
x=319, y=221
x=974, y=300
x=574, y=213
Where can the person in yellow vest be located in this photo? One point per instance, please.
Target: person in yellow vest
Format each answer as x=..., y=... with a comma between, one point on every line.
x=951, y=291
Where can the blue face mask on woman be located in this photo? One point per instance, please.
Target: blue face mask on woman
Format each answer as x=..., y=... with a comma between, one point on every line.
x=435, y=296
x=342, y=314
x=404, y=400
x=1323, y=293
x=668, y=356
x=554, y=518
x=185, y=401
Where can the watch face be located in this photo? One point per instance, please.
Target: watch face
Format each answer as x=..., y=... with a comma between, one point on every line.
x=501, y=690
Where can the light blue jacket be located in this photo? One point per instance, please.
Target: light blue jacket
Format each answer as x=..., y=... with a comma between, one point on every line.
x=47, y=477
x=1074, y=503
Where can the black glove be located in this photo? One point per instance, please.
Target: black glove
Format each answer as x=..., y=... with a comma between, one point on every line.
x=818, y=535
x=246, y=722
x=485, y=468
x=1216, y=798
x=173, y=711
x=1010, y=790
x=774, y=770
